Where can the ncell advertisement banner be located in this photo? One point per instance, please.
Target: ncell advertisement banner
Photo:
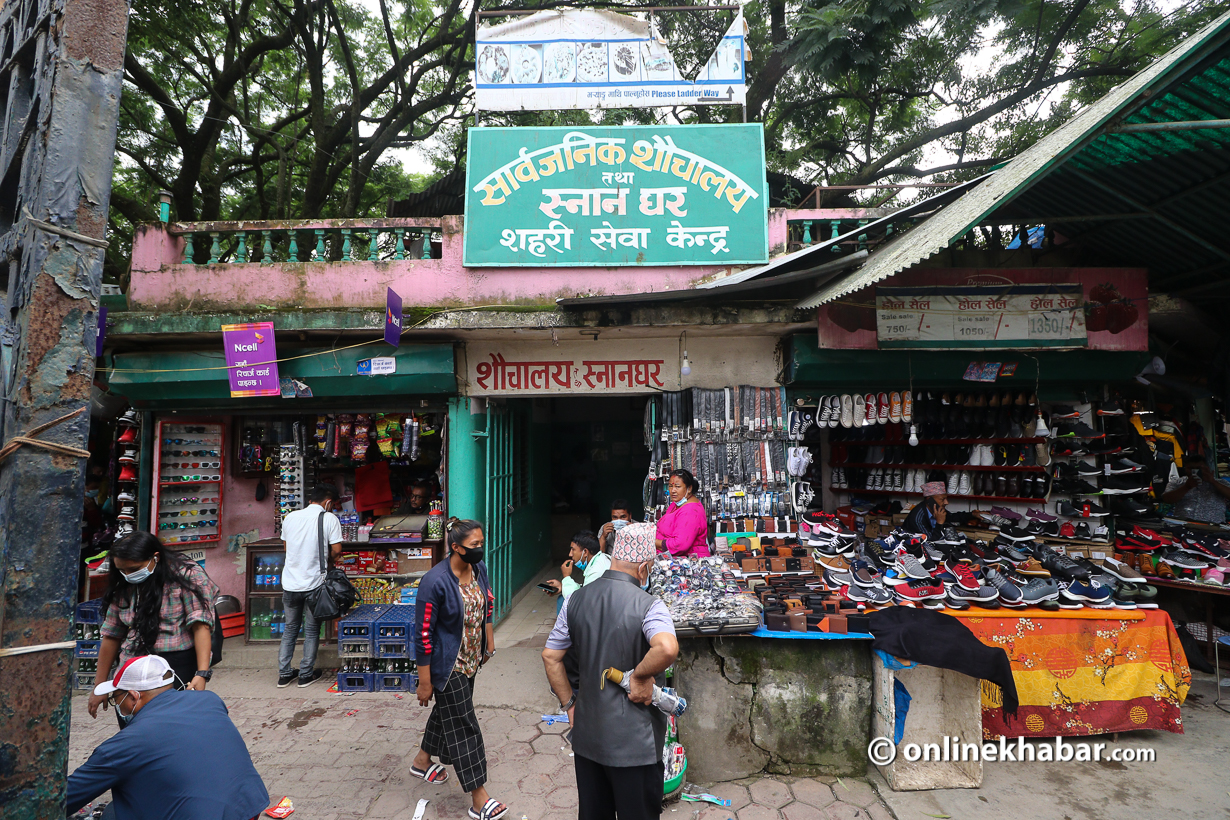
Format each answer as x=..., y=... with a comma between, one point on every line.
x=586, y=59
x=251, y=360
x=616, y=196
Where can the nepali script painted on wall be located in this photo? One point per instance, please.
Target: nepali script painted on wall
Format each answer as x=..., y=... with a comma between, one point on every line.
x=615, y=196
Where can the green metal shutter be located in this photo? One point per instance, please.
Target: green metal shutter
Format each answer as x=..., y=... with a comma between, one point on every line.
x=499, y=506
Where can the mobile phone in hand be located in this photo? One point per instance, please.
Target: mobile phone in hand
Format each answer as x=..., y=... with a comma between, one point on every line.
x=547, y=588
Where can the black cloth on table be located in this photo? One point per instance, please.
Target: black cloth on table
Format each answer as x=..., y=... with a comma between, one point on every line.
x=935, y=639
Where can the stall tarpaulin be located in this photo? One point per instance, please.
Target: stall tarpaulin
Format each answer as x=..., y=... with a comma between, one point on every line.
x=616, y=195
x=590, y=58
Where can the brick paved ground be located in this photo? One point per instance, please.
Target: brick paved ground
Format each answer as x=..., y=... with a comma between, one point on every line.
x=347, y=756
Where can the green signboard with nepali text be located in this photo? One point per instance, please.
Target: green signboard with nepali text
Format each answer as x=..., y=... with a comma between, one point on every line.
x=616, y=196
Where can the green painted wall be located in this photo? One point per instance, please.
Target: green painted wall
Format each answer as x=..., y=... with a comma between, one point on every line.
x=466, y=460
x=532, y=523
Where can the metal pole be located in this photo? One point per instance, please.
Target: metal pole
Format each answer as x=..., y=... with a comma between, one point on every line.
x=68, y=68
x=1184, y=125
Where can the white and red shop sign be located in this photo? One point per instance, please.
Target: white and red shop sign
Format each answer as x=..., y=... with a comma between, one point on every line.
x=1023, y=308
x=615, y=366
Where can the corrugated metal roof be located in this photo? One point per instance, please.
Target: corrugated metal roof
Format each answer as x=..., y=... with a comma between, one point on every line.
x=1080, y=159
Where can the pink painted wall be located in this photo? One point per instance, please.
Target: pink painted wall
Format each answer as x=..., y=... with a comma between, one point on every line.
x=160, y=282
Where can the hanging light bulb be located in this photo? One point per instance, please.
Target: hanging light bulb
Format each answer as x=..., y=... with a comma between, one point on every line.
x=913, y=436
x=1043, y=431
x=686, y=368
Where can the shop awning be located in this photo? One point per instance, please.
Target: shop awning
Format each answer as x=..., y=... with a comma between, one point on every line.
x=1141, y=177
x=1059, y=374
x=198, y=379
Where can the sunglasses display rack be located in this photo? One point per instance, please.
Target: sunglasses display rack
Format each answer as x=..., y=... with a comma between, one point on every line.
x=188, y=469
x=289, y=482
x=734, y=442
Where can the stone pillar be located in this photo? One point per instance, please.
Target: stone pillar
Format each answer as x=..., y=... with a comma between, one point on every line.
x=774, y=705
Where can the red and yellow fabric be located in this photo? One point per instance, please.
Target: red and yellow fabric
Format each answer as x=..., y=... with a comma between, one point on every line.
x=1085, y=676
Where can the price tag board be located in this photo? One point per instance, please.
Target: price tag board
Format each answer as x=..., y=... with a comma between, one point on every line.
x=898, y=326
x=1050, y=324
x=944, y=317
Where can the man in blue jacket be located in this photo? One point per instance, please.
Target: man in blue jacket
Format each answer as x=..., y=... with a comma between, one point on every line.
x=178, y=757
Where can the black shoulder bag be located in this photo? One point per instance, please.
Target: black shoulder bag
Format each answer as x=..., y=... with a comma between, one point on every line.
x=336, y=595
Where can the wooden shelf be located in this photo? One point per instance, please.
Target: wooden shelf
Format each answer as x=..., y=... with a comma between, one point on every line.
x=923, y=442
x=958, y=467
x=977, y=497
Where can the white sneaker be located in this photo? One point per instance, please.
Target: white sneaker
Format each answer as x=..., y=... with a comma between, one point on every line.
x=965, y=485
x=860, y=410
x=847, y=411
x=841, y=472
x=975, y=456
x=954, y=482
x=126, y=496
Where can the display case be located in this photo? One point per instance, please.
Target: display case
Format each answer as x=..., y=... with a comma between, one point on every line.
x=266, y=617
x=188, y=469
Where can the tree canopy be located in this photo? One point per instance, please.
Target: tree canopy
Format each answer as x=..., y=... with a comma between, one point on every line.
x=284, y=109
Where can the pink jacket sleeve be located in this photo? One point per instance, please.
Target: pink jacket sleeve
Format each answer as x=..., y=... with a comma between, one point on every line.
x=685, y=529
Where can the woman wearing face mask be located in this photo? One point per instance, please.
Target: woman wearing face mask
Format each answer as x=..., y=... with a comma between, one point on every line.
x=685, y=527
x=157, y=603
x=452, y=639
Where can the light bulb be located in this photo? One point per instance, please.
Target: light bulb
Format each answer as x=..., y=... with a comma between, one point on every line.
x=686, y=368
x=1043, y=431
x=913, y=436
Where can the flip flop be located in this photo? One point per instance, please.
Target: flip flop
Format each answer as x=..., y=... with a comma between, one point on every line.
x=435, y=773
x=492, y=810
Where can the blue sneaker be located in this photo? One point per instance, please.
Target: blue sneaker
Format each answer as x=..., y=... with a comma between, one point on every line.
x=1087, y=591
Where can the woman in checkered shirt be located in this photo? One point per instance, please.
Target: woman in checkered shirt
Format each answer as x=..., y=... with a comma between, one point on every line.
x=157, y=603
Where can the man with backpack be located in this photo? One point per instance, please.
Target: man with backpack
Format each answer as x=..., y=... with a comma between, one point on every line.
x=302, y=531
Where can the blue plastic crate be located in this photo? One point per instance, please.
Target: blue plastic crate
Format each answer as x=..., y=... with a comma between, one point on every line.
x=89, y=612
x=397, y=622
x=395, y=681
x=393, y=648
x=355, y=681
x=87, y=649
x=359, y=622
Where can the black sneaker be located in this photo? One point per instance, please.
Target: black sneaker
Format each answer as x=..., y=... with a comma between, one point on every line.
x=1125, y=484
x=312, y=677
x=1062, y=566
x=1063, y=411
x=285, y=680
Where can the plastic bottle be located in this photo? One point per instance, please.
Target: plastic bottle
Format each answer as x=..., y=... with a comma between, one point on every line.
x=666, y=699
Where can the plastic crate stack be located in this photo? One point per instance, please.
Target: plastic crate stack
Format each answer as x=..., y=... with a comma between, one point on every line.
x=87, y=624
x=375, y=643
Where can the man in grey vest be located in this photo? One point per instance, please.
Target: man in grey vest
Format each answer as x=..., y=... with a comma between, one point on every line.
x=617, y=737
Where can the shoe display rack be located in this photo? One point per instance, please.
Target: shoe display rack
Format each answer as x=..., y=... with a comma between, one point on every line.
x=189, y=464
x=127, y=462
x=984, y=443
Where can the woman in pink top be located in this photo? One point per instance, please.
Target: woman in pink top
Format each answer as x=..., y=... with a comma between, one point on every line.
x=685, y=527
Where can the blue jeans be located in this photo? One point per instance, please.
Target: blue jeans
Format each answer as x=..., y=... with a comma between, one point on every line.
x=297, y=613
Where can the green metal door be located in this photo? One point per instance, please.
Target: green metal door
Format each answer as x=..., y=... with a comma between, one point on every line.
x=501, y=467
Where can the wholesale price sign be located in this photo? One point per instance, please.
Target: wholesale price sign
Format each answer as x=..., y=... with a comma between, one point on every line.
x=1008, y=316
x=614, y=196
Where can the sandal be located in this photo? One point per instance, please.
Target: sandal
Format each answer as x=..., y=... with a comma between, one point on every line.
x=435, y=773
x=492, y=810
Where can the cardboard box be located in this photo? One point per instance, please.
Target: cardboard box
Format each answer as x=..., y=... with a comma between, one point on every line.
x=876, y=526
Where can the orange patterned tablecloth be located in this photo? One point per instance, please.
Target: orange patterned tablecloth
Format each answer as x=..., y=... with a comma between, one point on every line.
x=1077, y=676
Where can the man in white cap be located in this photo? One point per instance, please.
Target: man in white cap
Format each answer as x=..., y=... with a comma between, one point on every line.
x=178, y=757
x=617, y=739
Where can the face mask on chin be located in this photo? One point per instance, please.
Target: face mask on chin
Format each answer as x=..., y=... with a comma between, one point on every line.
x=582, y=564
x=123, y=718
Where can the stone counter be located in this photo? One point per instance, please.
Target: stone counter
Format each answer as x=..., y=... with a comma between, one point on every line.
x=770, y=705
